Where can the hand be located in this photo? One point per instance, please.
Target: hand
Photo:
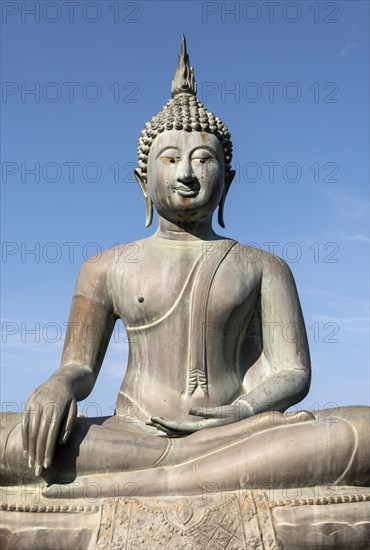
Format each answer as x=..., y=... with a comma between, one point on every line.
x=179, y=427
x=211, y=416
x=50, y=414
x=227, y=414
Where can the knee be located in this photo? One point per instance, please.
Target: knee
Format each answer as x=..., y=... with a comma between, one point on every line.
x=358, y=415
x=11, y=448
x=8, y=422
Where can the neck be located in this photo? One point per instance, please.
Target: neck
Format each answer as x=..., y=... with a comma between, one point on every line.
x=183, y=231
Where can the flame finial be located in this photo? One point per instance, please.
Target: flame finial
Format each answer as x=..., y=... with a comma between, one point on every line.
x=184, y=81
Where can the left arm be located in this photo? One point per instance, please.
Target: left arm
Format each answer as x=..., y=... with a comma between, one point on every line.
x=285, y=354
x=285, y=357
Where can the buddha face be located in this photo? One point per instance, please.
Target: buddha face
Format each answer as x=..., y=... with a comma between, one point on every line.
x=186, y=175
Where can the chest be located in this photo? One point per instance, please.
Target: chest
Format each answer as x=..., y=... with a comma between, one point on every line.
x=183, y=281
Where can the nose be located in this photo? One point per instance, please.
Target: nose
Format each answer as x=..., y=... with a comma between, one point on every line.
x=185, y=174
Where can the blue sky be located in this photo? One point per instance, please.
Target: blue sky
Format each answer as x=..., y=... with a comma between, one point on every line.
x=290, y=80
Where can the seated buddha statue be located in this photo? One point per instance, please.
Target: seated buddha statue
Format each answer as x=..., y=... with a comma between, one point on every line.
x=211, y=372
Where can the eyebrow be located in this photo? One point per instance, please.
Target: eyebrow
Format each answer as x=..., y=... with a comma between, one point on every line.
x=165, y=149
x=206, y=147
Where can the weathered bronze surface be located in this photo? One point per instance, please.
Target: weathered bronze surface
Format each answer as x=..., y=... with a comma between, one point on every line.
x=201, y=409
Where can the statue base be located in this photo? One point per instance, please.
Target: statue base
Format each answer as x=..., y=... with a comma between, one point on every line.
x=294, y=519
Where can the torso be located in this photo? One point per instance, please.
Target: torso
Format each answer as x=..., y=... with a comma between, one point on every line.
x=152, y=290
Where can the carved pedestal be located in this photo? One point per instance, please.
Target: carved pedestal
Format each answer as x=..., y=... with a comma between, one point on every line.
x=293, y=519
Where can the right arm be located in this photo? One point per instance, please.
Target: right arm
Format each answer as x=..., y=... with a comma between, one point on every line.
x=51, y=410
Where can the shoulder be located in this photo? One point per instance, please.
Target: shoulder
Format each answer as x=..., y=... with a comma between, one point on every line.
x=103, y=262
x=96, y=265
x=267, y=264
x=274, y=266
x=277, y=274
x=94, y=273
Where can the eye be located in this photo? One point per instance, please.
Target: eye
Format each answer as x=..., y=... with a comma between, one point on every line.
x=169, y=160
x=202, y=160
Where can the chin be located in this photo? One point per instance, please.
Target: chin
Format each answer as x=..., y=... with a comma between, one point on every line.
x=190, y=208
x=185, y=213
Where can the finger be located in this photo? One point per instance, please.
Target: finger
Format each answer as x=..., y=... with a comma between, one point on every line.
x=52, y=437
x=214, y=412
x=160, y=424
x=196, y=412
x=50, y=415
x=152, y=423
x=164, y=430
x=159, y=421
x=40, y=447
x=68, y=422
x=50, y=445
x=164, y=423
x=176, y=426
x=25, y=427
x=33, y=429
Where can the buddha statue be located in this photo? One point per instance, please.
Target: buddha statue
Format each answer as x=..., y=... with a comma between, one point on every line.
x=210, y=373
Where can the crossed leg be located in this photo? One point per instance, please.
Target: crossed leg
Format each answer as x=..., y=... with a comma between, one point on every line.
x=270, y=449
x=324, y=448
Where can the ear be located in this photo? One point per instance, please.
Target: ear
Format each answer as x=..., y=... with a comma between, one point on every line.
x=229, y=176
x=148, y=201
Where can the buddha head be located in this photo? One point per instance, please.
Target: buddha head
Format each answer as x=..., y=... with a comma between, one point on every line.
x=184, y=155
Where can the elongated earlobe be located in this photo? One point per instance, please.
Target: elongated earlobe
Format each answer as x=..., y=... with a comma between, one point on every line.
x=229, y=176
x=148, y=201
x=221, y=211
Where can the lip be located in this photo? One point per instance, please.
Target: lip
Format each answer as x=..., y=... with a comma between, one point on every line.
x=185, y=191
